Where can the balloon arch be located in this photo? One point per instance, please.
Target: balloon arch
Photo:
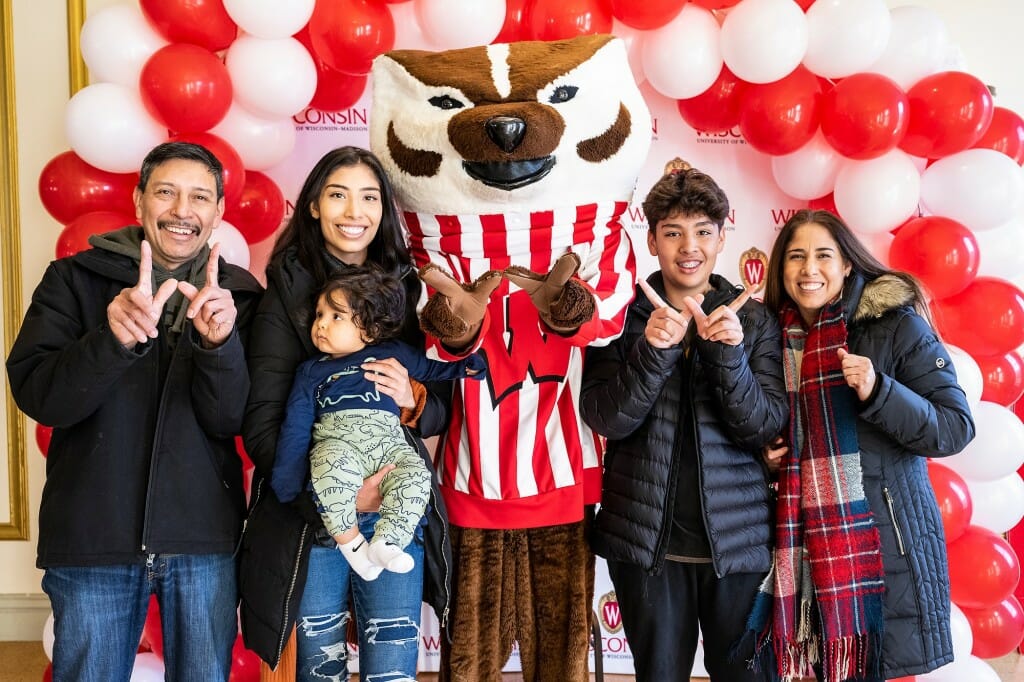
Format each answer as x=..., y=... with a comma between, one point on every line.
x=854, y=105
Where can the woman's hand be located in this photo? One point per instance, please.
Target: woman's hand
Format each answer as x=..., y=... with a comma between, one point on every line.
x=774, y=452
x=368, y=496
x=392, y=379
x=859, y=373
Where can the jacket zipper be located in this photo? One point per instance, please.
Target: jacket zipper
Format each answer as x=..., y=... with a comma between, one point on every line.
x=156, y=436
x=895, y=523
x=291, y=590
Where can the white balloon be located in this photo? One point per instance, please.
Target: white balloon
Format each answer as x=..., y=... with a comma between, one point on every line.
x=456, y=23
x=960, y=629
x=634, y=40
x=980, y=188
x=845, y=36
x=809, y=172
x=763, y=40
x=259, y=142
x=1001, y=255
x=408, y=33
x=998, y=446
x=997, y=505
x=968, y=374
x=116, y=41
x=272, y=78
x=108, y=126
x=233, y=247
x=879, y=194
x=148, y=668
x=967, y=669
x=48, y=636
x=691, y=38
x=916, y=48
x=270, y=18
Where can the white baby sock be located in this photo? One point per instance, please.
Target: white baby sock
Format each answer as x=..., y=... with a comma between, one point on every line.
x=390, y=556
x=357, y=553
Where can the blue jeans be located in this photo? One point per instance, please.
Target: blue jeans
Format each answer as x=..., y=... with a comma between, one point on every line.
x=99, y=611
x=387, y=612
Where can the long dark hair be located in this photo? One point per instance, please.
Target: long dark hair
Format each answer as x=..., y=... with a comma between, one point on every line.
x=850, y=247
x=388, y=249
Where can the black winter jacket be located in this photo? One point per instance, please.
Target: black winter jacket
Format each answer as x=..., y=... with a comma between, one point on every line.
x=917, y=410
x=138, y=463
x=278, y=537
x=633, y=394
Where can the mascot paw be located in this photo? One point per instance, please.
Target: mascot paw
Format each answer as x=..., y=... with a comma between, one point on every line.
x=562, y=302
x=455, y=312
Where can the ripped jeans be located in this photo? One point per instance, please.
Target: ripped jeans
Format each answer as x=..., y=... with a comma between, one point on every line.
x=387, y=612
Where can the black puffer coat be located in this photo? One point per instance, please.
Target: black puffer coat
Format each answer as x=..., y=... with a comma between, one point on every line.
x=917, y=410
x=633, y=395
x=278, y=537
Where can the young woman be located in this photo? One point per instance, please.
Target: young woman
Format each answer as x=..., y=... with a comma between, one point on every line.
x=292, y=571
x=861, y=588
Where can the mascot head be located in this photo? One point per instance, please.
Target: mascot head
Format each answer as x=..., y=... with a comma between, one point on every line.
x=509, y=127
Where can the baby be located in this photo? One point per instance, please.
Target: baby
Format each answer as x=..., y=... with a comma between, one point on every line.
x=354, y=429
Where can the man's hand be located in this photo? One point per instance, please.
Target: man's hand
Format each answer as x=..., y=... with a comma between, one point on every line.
x=721, y=325
x=211, y=309
x=133, y=314
x=563, y=303
x=455, y=313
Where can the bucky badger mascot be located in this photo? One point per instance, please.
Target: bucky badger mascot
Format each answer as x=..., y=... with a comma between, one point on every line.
x=513, y=164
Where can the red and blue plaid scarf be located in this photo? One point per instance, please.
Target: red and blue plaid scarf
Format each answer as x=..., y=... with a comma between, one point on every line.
x=827, y=549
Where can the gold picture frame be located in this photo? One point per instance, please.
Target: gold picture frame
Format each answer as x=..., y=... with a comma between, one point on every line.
x=16, y=525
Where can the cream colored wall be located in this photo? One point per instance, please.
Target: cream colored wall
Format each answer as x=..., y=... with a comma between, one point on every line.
x=987, y=32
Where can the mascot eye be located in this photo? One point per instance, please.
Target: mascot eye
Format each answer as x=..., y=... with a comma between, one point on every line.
x=445, y=102
x=563, y=93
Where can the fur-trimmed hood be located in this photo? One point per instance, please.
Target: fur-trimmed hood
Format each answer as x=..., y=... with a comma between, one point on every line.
x=881, y=295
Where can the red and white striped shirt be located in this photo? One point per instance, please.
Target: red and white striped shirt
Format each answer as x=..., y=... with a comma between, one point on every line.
x=517, y=454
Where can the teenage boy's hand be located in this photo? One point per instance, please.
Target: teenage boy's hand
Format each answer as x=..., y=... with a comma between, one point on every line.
x=133, y=314
x=666, y=326
x=721, y=324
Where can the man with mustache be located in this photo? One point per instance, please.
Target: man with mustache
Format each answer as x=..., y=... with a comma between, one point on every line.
x=133, y=352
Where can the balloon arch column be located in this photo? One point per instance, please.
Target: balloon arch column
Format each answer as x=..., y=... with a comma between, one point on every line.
x=854, y=106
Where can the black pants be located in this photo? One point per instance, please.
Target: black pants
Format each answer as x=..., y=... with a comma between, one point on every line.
x=661, y=614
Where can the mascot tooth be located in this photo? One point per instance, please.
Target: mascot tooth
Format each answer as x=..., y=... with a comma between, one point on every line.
x=513, y=164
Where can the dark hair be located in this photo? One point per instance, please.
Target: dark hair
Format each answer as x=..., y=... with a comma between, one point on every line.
x=685, y=192
x=303, y=230
x=853, y=252
x=376, y=299
x=189, y=151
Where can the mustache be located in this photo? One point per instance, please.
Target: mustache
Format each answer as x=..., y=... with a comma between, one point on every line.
x=178, y=223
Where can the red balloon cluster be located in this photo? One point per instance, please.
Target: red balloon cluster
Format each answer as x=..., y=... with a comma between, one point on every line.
x=940, y=252
x=986, y=318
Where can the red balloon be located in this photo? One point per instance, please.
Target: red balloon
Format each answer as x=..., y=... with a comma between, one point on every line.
x=185, y=87
x=997, y=630
x=259, y=211
x=939, y=251
x=648, y=14
x=864, y=115
x=245, y=664
x=825, y=203
x=152, y=631
x=562, y=19
x=908, y=678
x=949, y=112
x=717, y=109
x=780, y=117
x=75, y=235
x=335, y=90
x=234, y=170
x=983, y=569
x=348, y=34
x=1003, y=377
x=201, y=22
x=48, y=673
x=986, y=318
x=43, y=436
x=954, y=499
x=514, y=29
x=1005, y=134
x=717, y=4
x=69, y=187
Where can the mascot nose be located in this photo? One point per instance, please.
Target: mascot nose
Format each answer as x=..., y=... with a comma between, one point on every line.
x=506, y=131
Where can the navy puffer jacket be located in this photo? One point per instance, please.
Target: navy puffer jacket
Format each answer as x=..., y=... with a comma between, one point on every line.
x=632, y=394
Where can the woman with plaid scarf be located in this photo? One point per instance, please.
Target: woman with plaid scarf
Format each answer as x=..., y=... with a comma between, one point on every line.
x=860, y=587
